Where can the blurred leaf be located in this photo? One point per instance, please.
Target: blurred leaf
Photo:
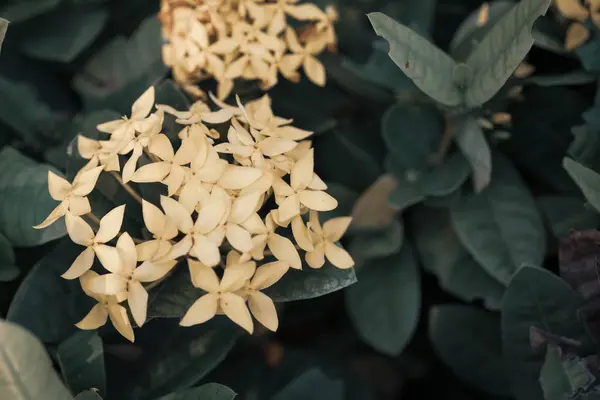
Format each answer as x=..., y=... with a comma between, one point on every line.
x=588, y=54
x=309, y=283
x=385, y=304
x=473, y=144
x=313, y=385
x=88, y=395
x=470, y=32
x=8, y=268
x=174, y=296
x=26, y=200
x=406, y=194
x=383, y=242
x=46, y=304
x=585, y=147
x=553, y=380
x=22, y=111
x=179, y=358
x=346, y=198
x=569, y=78
x=442, y=254
x=372, y=209
x=123, y=69
x=500, y=226
x=208, y=391
x=3, y=28
x=535, y=297
x=62, y=36
x=169, y=93
x=564, y=213
x=25, y=367
x=587, y=180
x=26, y=9
x=81, y=360
x=468, y=340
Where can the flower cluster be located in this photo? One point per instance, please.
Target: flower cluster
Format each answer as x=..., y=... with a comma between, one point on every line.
x=215, y=212
x=248, y=39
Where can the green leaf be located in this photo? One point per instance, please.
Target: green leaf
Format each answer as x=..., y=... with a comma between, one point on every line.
x=47, y=304
x=536, y=297
x=442, y=254
x=314, y=385
x=470, y=32
x=472, y=143
x=22, y=10
x=22, y=111
x=123, y=69
x=553, y=379
x=565, y=213
x=468, y=340
x=430, y=68
x=25, y=200
x=384, y=305
x=3, y=28
x=62, y=36
x=500, y=226
x=177, y=358
x=380, y=243
x=346, y=198
x=208, y=391
x=501, y=51
x=309, y=283
x=8, y=269
x=587, y=180
x=406, y=194
x=585, y=147
x=25, y=367
x=81, y=360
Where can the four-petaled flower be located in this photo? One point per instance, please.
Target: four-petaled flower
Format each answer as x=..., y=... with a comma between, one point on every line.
x=324, y=239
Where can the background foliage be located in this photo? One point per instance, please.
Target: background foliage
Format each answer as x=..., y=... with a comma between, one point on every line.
x=458, y=269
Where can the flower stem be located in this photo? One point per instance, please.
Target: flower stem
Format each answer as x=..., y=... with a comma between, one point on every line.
x=126, y=186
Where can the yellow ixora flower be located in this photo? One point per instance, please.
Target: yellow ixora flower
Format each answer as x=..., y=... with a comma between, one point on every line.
x=72, y=196
x=138, y=121
x=324, y=239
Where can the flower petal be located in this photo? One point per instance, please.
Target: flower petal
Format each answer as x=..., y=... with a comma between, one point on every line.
x=137, y=298
x=210, y=215
x=120, y=320
x=94, y=319
x=177, y=213
x=244, y=206
x=268, y=274
x=283, y=249
x=237, y=177
x=174, y=180
x=127, y=253
x=154, y=172
x=235, y=308
x=154, y=219
x=108, y=284
x=58, y=186
x=263, y=309
x=143, y=105
x=161, y=146
x=201, y=311
x=314, y=70
x=273, y=146
x=179, y=249
x=110, y=225
x=288, y=208
x=335, y=228
x=317, y=200
x=239, y=238
x=338, y=256
x=203, y=277
x=217, y=117
x=81, y=265
x=316, y=258
x=83, y=184
x=79, y=231
x=301, y=235
x=150, y=271
x=147, y=250
x=302, y=171
x=206, y=251
x=109, y=258
x=236, y=275
x=79, y=205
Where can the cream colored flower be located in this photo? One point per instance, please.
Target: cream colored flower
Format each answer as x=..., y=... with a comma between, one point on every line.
x=107, y=307
x=303, y=56
x=324, y=239
x=95, y=151
x=126, y=277
x=170, y=170
x=281, y=247
x=305, y=189
x=199, y=112
x=82, y=234
x=125, y=128
x=221, y=295
x=72, y=196
x=261, y=305
x=162, y=229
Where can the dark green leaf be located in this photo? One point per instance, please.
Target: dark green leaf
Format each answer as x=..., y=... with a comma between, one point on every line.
x=570, y=78
x=208, y=391
x=88, y=395
x=25, y=367
x=313, y=385
x=500, y=226
x=406, y=194
x=47, y=304
x=385, y=303
x=346, y=198
x=565, y=213
x=442, y=254
x=536, y=297
x=585, y=147
x=22, y=10
x=81, y=360
x=25, y=200
x=473, y=144
x=8, y=269
x=587, y=180
x=62, y=37
x=381, y=243
x=468, y=340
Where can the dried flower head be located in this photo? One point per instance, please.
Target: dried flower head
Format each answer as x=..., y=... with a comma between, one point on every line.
x=215, y=212
x=247, y=39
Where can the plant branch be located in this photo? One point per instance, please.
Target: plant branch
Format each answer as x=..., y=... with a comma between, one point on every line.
x=126, y=186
